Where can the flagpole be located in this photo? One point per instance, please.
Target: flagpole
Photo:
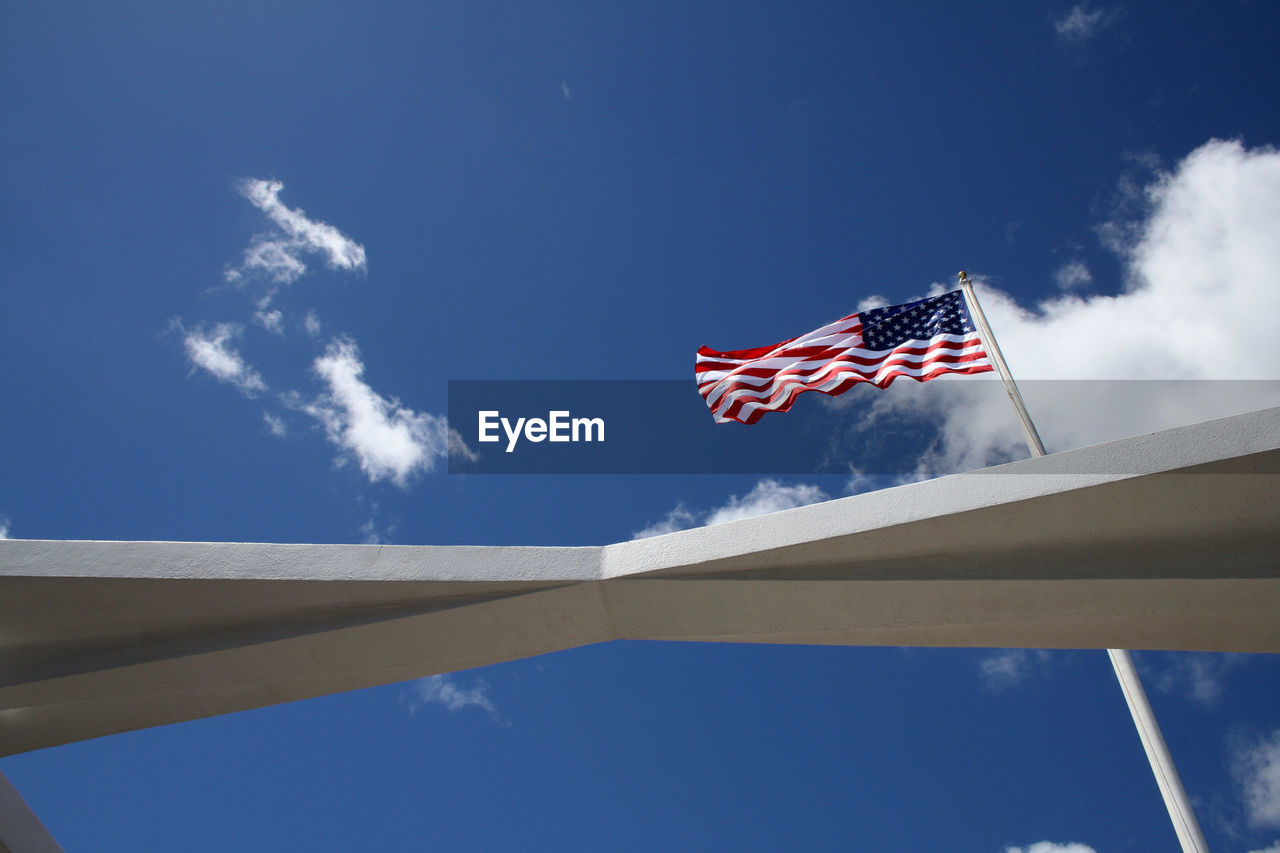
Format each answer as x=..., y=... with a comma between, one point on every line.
x=1167, y=779
x=1034, y=444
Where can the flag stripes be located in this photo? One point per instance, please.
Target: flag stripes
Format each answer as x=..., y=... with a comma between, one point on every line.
x=920, y=340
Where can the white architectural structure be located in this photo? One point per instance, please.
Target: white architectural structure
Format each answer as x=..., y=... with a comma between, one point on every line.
x=1169, y=540
x=20, y=830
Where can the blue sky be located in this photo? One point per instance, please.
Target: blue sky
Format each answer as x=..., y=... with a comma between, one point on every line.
x=248, y=245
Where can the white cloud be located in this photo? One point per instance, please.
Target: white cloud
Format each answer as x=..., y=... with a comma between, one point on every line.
x=1006, y=667
x=1257, y=768
x=442, y=690
x=1199, y=676
x=374, y=535
x=312, y=324
x=680, y=518
x=1082, y=23
x=1073, y=275
x=564, y=90
x=4, y=527
x=277, y=255
x=859, y=483
x=1274, y=848
x=1050, y=847
x=272, y=321
x=276, y=260
x=211, y=350
x=1199, y=303
x=388, y=440
x=275, y=425
x=765, y=497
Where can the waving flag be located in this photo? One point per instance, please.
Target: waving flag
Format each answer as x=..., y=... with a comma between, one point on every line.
x=920, y=339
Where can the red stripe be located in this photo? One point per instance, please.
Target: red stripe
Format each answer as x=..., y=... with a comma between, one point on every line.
x=769, y=354
x=703, y=366
x=760, y=352
x=821, y=373
x=886, y=357
x=770, y=392
x=845, y=386
x=935, y=354
x=781, y=386
x=749, y=369
x=784, y=400
x=741, y=354
x=806, y=353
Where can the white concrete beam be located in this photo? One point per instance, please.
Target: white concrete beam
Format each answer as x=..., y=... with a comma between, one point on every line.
x=20, y=830
x=1170, y=540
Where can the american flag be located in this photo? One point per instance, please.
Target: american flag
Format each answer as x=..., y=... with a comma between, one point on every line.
x=921, y=339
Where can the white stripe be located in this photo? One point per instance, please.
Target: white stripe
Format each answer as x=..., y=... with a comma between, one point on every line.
x=853, y=321
x=762, y=387
x=831, y=382
x=831, y=342
x=828, y=380
x=769, y=385
x=723, y=378
x=835, y=380
x=853, y=340
x=831, y=330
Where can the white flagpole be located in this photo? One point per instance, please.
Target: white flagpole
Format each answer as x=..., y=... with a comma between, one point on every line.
x=1175, y=796
x=997, y=358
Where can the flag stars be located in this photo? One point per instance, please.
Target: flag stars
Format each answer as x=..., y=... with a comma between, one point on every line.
x=918, y=321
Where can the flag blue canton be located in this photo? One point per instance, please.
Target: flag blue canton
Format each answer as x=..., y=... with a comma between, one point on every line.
x=886, y=328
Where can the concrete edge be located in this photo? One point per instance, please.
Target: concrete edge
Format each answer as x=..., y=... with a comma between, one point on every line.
x=1157, y=452
x=1126, y=458
x=21, y=831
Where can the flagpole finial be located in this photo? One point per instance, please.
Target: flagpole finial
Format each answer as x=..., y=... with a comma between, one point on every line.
x=964, y=277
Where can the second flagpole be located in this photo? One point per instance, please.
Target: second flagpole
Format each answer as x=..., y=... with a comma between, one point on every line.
x=1175, y=796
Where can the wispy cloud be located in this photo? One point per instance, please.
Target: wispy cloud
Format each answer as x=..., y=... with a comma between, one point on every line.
x=1274, y=848
x=765, y=497
x=388, y=440
x=4, y=526
x=277, y=260
x=1083, y=23
x=1051, y=847
x=1199, y=302
x=211, y=350
x=859, y=483
x=275, y=425
x=375, y=534
x=1257, y=768
x=1199, y=676
x=565, y=90
x=1006, y=667
x=443, y=690
x=1073, y=275
x=272, y=321
x=277, y=256
x=679, y=518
